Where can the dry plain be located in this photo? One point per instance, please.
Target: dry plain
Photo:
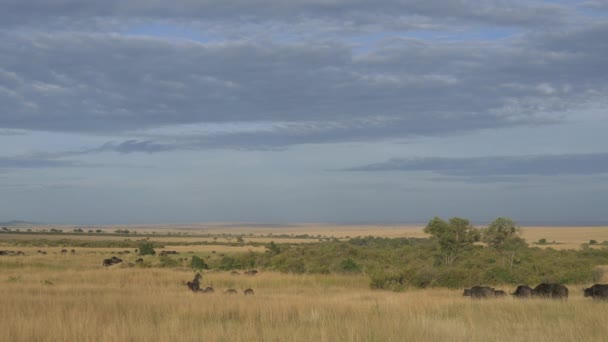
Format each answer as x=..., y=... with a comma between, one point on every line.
x=59, y=297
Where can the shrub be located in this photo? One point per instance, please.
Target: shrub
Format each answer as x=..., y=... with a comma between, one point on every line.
x=350, y=266
x=146, y=248
x=198, y=263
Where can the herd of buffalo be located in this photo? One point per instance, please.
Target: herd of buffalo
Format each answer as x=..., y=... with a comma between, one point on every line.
x=544, y=290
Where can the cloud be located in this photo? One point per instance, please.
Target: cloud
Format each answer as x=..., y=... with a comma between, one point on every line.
x=324, y=92
x=34, y=162
x=497, y=167
x=331, y=14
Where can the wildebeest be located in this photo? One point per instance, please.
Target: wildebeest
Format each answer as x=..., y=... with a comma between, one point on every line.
x=550, y=290
x=248, y=292
x=194, y=285
x=164, y=253
x=523, y=291
x=139, y=260
x=73, y=251
x=597, y=291
x=64, y=251
x=231, y=291
x=479, y=292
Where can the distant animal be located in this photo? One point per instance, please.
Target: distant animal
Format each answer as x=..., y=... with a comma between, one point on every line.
x=209, y=289
x=63, y=251
x=499, y=293
x=234, y=273
x=198, y=277
x=523, y=291
x=597, y=291
x=194, y=286
x=112, y=261
x=139, y=260
x=20, y=253
x=248, y=292
x=477, y=292
x=251, y=272
x=550, y=290
x=231, y=291
x=73, y=251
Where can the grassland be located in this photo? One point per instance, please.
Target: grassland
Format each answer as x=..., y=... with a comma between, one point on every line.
x=59, y=297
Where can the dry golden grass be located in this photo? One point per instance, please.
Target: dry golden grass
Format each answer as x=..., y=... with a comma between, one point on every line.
x=565, y=237
x=57, y=297
x=128, y=304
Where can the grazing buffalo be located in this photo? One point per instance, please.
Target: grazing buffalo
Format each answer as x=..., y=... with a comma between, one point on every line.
x=597, y=291
x=479, y=292
x=112, y=261
x=231, y=291
x=248, y=292
x=523, y=291
x=545, y=290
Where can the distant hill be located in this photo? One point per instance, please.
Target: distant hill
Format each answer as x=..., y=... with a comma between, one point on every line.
x=14, y=223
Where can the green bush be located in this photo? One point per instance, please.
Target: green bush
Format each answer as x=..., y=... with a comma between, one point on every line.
x=146, y=248
x=166, y=261
x=198, y=263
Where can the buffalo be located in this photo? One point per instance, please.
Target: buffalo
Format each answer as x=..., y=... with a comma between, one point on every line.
x=523, y=291
x=550, y=290
x=597, y=291
x=112, y=261
x=248, y=292
x=231, y=291
x=139, y=260
x=479, y=292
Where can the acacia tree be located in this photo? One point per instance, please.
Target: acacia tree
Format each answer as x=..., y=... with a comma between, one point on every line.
x=503, y=235
x=454, y=237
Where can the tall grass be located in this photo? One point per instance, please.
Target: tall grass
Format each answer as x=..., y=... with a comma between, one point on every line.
x=129, y=304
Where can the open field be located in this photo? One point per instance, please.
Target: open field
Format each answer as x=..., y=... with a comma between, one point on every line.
x=152, y=304
x=71, y=297
x=564, y=237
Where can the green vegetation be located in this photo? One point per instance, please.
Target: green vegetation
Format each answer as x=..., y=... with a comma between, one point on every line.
x=146, y=248
x=198, y=264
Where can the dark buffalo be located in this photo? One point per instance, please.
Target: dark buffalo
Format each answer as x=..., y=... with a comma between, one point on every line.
x=194, y=286
x=597, y=291
x=64, y=251
x=550, y=290
x=479, y=292
x=248, y=292
x=139, y=260
x=112, y=261
x=231, y=291
x=523, y=291
x=73, y=251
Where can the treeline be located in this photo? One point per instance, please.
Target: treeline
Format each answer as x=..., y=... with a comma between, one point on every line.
x=456, y=255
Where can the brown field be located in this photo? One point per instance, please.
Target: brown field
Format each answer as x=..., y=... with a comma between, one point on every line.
x=57, y=297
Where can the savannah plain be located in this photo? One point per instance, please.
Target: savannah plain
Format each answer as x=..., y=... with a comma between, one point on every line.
x=71, y=297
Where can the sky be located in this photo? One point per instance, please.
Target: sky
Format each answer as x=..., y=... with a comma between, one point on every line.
x=385, y=111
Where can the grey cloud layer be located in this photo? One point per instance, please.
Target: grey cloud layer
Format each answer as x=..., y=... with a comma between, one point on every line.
x=110, y=83
x=542, y=165
x=347, y=14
